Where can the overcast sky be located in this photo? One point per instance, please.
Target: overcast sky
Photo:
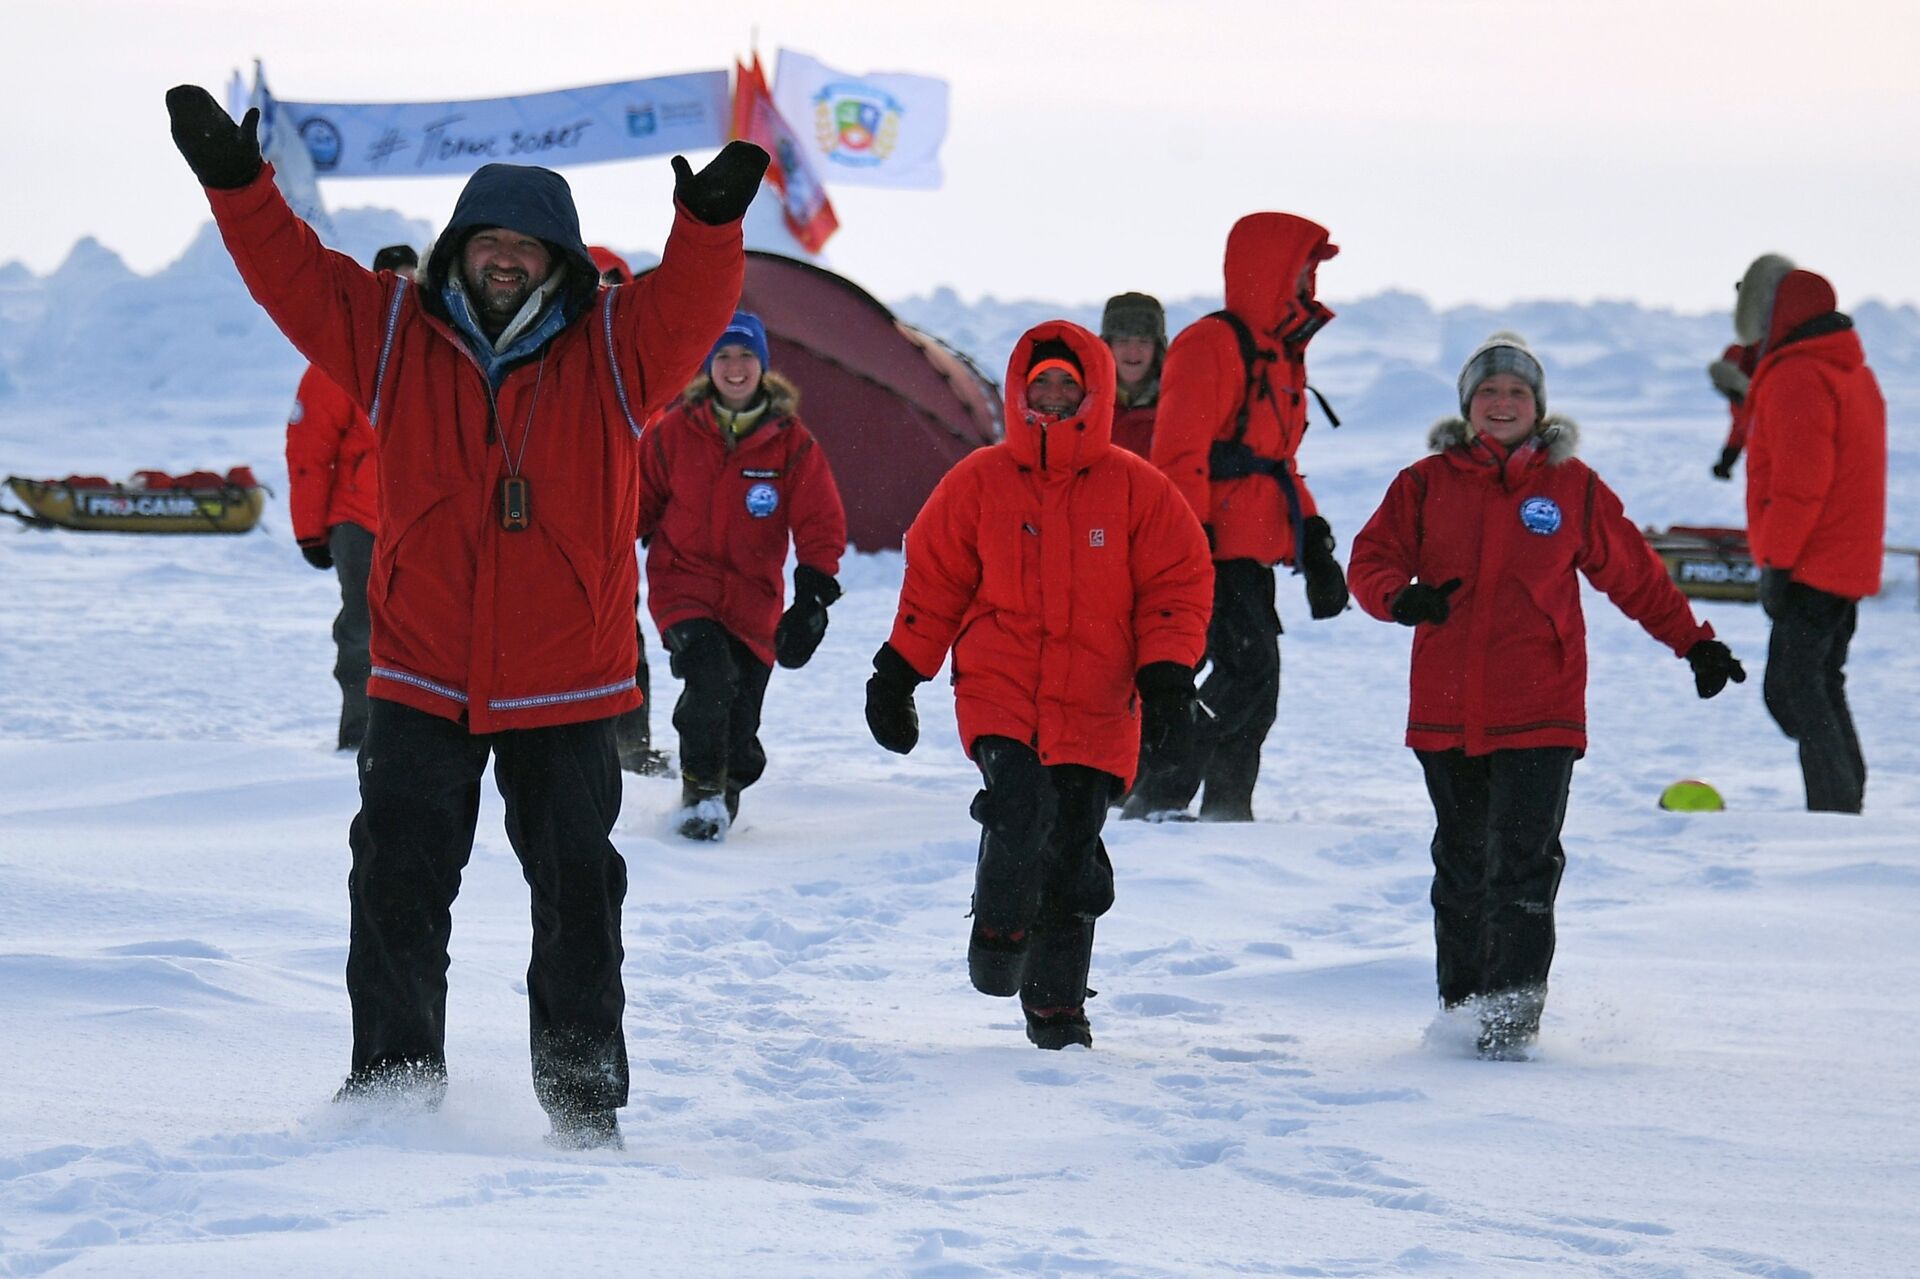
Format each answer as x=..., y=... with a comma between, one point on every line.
x=1469, y=150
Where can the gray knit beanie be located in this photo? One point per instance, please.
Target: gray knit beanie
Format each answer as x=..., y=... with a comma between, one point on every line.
x=1504, y=352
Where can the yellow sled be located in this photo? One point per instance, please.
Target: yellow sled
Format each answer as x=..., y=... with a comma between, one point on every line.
x=151, y=502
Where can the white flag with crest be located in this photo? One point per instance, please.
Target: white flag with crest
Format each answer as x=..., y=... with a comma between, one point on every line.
x=877, y=130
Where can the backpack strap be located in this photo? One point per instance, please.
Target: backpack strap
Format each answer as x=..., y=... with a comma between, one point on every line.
x=1253, y=358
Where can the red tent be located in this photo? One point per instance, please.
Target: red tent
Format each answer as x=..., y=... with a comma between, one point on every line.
x=893, y=407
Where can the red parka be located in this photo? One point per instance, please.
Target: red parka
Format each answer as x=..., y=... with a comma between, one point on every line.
x=1203, y=384
x=1133, y=426
x=472, y=622
x=1817, y=453
x=1508, y=669
x=718, y=511
x=1054, y=566
x=332, y=475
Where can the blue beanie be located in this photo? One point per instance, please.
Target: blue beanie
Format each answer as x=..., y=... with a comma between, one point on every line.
x=744, y=329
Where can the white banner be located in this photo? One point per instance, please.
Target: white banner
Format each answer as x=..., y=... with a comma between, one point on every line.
x=280, y=147
x=569, y=126
x=868, y=130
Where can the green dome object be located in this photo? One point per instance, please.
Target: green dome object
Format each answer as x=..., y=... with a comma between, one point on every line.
x=1692, y=796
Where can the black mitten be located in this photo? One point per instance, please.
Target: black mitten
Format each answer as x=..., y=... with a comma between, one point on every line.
x=1723, y=469
x=317, y=554
x=804, y=624
x=1170, y=710
x=1713, y=665
x=721, y=192
x=222, y=154
x=1773, y=590
x=1326, y=581
x=890, y=714
x=1418, y=602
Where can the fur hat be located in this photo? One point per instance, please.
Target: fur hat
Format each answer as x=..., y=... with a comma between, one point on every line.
x=1503, y=352
x=744, y=329
x=394, y=257
x=1133, y=315
x=1753, y=304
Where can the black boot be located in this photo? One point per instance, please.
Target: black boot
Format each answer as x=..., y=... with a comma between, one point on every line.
x=997, y=961
x=586, y=1130
x=408, y=1085
x=705, y=813
x=1510, y=1022
x=1055, y=1028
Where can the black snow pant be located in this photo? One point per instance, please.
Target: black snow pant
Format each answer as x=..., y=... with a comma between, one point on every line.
x=635, y=727
x=718, y=714
x=419, y=801
x=1043, y=868
x=1242, y=689
x=1806, y=692
x=352, y=549
x=1497, y=862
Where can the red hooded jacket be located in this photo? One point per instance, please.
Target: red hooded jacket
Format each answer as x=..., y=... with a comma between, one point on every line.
x=717, y=513
x=1508, y=669
x=332, y=475
x=502, y=629
x=1205, y=380
x=1817, y=451
x=1054, y=566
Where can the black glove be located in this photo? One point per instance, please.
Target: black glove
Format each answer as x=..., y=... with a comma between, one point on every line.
x=1723, y=469
x=1773, y=590
x=1170, y=710
x=804, y=623
x=721, y=192
x=222, y=154
x=1418, y=602
x=318, y=554
x=1713, y=665
x=1326, y=582
x=890, y=714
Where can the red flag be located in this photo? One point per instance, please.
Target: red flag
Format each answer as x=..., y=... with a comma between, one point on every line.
x=803, y=199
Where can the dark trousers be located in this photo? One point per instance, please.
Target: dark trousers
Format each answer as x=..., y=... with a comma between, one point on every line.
x=419, y=800
x=1496, y=865
x=1043, y=868
x=1806, y=691
x=352, y=548
x=635, y=727
x=718, y=714
x=1242, y=689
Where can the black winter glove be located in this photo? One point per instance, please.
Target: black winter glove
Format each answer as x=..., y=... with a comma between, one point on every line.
x=1326, y=582
x=1773, y=590
x=1713, y=665
x=804, y=624
x=1418, y=602
x=318, y=554
x=721, y=192
x=1170, y=710
x=1723, y=469
x=890, y=714
x=222, y=154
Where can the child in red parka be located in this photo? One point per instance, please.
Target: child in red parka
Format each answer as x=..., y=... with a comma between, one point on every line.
x=1477, y=547
x=1072, y=583
x=727, y=476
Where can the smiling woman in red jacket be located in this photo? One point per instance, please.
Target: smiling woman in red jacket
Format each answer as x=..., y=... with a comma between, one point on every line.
x=1477, y=547
x=1072, y=583
x=727, y=477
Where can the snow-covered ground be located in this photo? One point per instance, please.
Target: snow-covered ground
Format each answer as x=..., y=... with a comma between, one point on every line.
x=1726, y=1084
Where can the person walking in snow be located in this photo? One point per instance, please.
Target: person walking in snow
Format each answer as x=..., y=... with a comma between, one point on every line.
x=506, y=389
x=1730, y=375
x=1134, y=327
x=1071, y=583
x=1816, y=512
x=728, y=476
x=332, y=486
x=1232, y=414
x=1479, y=547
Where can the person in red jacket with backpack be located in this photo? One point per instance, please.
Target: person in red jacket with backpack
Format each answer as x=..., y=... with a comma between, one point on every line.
x=727, y=477
x=1233, y=410
x=1816, y=513
x=332, y=483
x=507, y=389
x=1071, y=583
x=1479, y=547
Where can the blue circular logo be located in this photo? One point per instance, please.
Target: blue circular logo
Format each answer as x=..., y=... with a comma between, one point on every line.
x=323, y=141
x=1541, y=515
x=762, y=500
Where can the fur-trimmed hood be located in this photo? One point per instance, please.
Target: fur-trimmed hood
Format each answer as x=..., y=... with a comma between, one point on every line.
x=1558, y=434
x=783, y=397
